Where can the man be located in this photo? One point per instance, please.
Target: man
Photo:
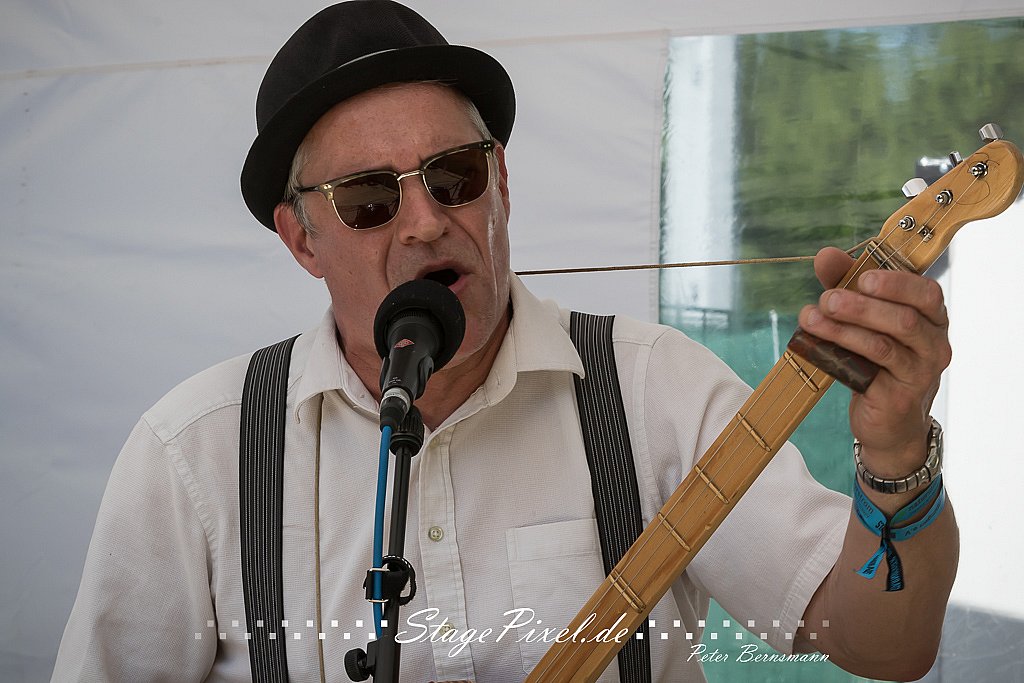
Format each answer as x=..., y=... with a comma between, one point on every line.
x=501, y=512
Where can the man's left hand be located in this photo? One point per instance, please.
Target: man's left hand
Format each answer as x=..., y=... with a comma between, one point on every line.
x=898, y=321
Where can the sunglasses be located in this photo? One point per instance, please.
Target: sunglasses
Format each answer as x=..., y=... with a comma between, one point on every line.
x=371, y=199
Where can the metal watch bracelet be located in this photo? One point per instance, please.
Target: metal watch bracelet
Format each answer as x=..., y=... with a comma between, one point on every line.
x=922, y=477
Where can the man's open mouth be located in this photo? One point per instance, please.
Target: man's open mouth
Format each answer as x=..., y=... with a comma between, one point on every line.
x=446, y=276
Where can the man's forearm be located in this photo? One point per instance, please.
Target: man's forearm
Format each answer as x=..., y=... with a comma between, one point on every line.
x=878, y=634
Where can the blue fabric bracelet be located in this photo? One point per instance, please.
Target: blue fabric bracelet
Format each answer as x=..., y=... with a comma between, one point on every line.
x=877, y=523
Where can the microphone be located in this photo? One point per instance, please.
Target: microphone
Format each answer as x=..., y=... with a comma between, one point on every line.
x=417, y=330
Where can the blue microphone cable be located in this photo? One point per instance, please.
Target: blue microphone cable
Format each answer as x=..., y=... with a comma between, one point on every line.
x=378, y=524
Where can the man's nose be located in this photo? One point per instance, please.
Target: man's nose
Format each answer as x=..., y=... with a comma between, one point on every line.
x=420, y=216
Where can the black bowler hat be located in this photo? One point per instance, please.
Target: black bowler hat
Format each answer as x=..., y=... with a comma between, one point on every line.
x=342, y=51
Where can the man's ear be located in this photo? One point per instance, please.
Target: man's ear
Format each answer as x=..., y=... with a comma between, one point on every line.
x=499, y=154
x=295, y=237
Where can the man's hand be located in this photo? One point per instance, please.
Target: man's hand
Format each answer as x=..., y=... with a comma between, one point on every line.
x=897, y=320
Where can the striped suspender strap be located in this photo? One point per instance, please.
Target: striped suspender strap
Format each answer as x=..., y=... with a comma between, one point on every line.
x=260, y=494
x=261, y=468
x=612, y=472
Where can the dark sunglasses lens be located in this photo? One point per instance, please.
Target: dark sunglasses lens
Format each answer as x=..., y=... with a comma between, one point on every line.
x=458, y=178
x=368, y=201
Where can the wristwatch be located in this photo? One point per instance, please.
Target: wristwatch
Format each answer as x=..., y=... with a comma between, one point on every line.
x=931, y=469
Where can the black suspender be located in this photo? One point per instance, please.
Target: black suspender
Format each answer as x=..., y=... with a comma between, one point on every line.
x=612, y=472
x=261, y=466
x=260, y=497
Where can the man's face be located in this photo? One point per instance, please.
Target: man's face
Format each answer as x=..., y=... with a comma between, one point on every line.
x=397, y=128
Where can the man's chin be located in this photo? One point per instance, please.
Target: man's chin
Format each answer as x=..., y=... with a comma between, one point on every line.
x=489, y=339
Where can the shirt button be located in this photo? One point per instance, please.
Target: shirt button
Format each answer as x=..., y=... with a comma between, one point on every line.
x=446, y=628
x=435, y=533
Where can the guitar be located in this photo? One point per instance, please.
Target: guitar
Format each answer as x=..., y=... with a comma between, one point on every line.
x=978, y=187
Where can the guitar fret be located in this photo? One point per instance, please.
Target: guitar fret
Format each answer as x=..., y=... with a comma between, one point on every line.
x=627, y=592
x=711, y=485
x=672, y=530
x=791, y=359
x=754, y=433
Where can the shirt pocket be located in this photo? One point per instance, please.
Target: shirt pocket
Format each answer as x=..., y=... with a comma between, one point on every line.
x=554, y=568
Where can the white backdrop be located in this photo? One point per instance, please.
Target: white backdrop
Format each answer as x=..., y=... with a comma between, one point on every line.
x=128, y=261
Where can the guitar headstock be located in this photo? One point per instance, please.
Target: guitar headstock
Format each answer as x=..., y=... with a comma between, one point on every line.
x=980, y=186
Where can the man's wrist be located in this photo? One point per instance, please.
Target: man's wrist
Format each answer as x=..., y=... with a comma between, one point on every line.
x=918, y=477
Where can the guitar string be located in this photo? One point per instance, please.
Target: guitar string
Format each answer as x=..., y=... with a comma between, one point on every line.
x=685, y=264
x=858, y=268
x=661, y=266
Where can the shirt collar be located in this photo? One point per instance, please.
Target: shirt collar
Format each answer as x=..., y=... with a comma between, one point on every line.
x=535, y=341
x=326, y=369
x=537, y=336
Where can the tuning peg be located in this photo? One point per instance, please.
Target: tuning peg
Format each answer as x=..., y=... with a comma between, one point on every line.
x=955, y=158
x=914, y=187
x=990, y=132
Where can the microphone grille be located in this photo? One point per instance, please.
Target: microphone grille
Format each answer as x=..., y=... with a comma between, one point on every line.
x=431, y=298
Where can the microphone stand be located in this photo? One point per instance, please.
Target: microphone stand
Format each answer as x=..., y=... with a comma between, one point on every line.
x=382, y=658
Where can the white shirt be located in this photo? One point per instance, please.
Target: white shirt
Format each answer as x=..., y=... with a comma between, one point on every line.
x=501, y=518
